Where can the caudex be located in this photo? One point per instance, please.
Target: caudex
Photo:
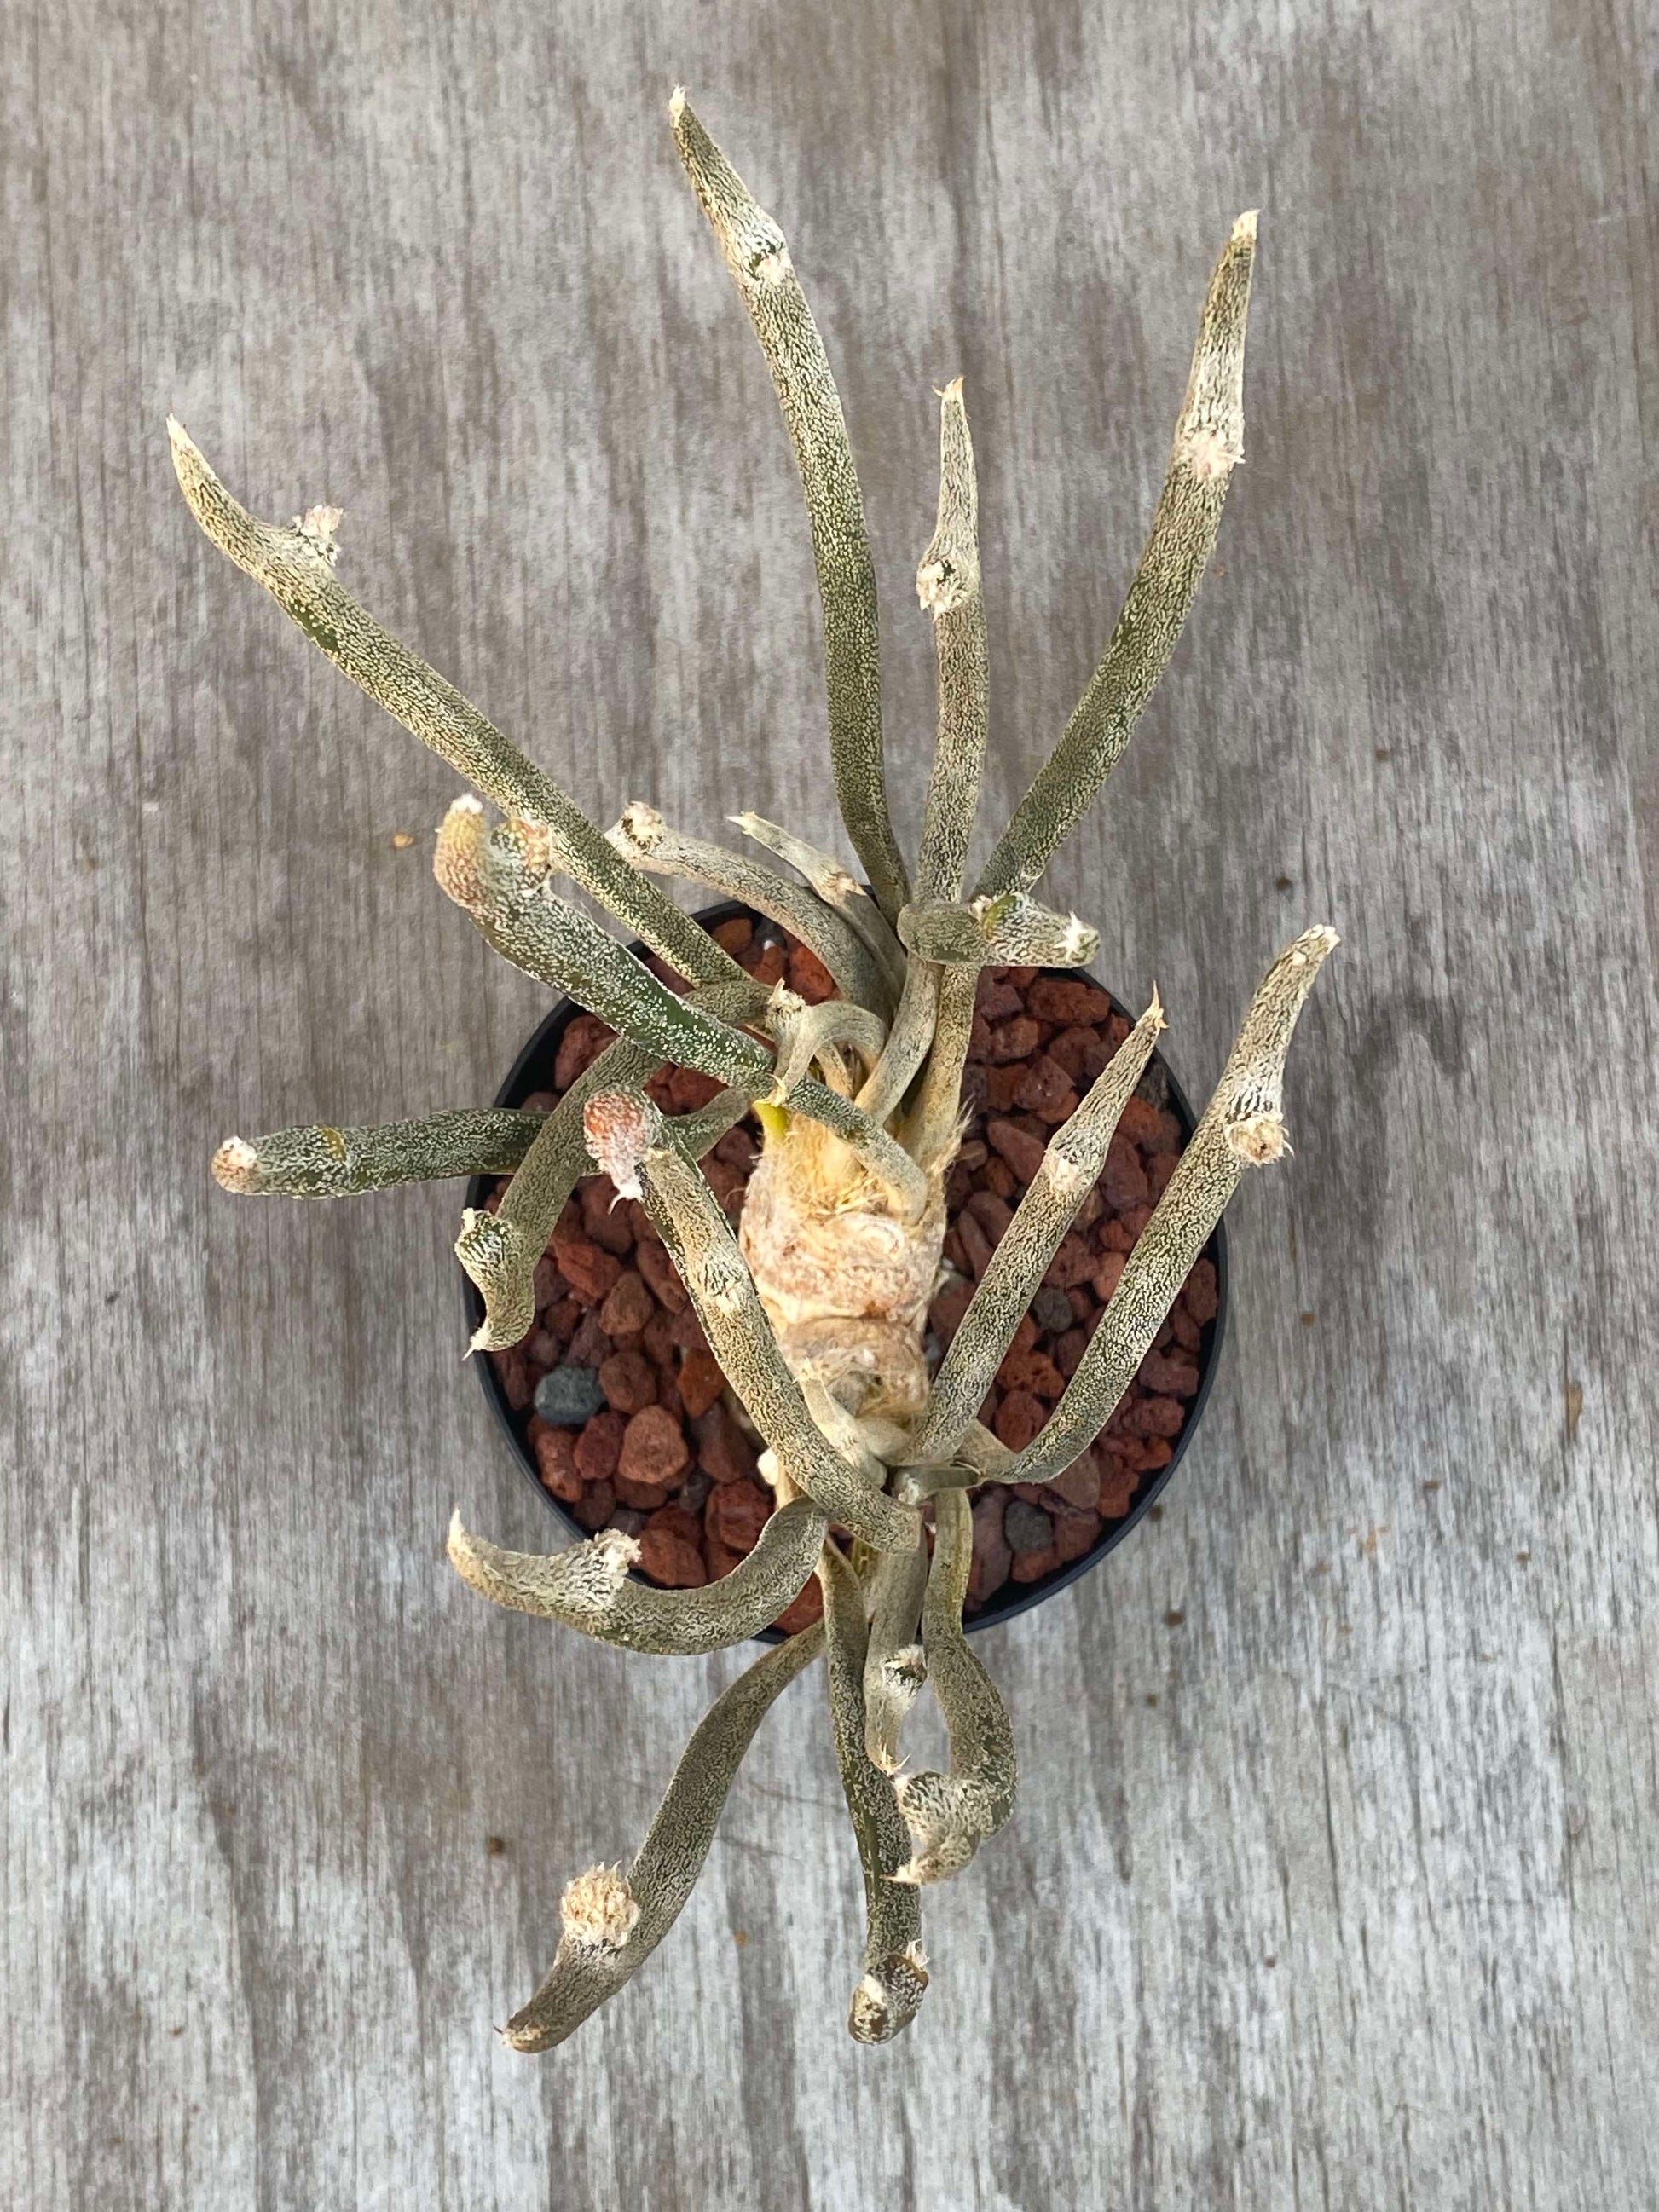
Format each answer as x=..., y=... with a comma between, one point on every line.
x=816, y=1307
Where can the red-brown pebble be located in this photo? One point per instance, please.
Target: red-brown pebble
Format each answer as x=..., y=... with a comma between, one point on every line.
x=995, y=997
x=653, y=1448
x=690, y=1090
x=1079, y=1484
x=1155, y=1417
x=724, y=1453
x=639, y=1496
x=1016, y=1039
x=803, y=1611
x=513, y=1370
x=1075, y=1534
x=1200, y=1295
x=661, y=1272
x=992, y=1557
x=1046, y=1091
x=687, y=1331
x=1022, y=1151
x=596, y=1505
x=605, y=1220
x=556, y=1460
x=668, y=1555
x=1032, y=1370
x=599, y=1447
x=591, y=1273
x=1123, y=1182
x=580, y=1047
x=1000, y=1084
x=948, y=1308
x=1173, y=1378
x=728, y=1184
x=589, y=1346
x=628, y=1306
x=808, y=976
x=1065, y=1001
x=1069, y=1349
x=1082, y=1052
x=1072, y=1263
x=736, y=1513
x=976, y=1246
x=1118, y=1486
x=629, y=1382
x=700, y=1381
x=993, y=1213
x=1019, y=1418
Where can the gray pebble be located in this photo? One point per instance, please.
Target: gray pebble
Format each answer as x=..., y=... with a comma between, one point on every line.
x=693, y=1493
x=1052, y=1309
x=1027, y=1527
x=567, y=1396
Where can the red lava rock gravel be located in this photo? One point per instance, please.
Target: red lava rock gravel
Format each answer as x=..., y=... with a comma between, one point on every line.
x=670, y=1455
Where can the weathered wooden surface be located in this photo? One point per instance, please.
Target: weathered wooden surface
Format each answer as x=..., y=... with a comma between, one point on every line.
x=1335, y=1881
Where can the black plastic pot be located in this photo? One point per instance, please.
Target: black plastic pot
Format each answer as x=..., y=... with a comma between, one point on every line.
x=532, y=1071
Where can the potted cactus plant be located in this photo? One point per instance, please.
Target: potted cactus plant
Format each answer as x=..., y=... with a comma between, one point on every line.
x=814, y=1305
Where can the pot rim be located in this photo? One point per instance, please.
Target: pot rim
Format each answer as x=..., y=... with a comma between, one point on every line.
x=1014, y=1598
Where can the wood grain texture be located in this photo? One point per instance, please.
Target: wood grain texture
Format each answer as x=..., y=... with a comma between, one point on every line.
x=1336, y=1881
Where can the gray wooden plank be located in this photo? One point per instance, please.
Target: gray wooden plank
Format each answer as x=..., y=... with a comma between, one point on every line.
x=1340, y=1891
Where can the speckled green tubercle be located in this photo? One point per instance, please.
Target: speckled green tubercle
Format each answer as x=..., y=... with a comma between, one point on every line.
x=316, y=1161
x=588, y=1586
x=1209, y=444
x=1070, y=1165
x=758, y=257
x=895, y=1977
x=1242, y=1127
x=588, y=1969
x=950, y=1815
x=295, y=564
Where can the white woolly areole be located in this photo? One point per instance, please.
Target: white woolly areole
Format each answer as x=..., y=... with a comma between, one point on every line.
x=641, y=824
x=1258, y=1138
x=599, y=1908
x=1064, y=1173
x=616, y=1550
x=619, y=1131
x=1209, y=455
x=319, y=525
x=233, y=1164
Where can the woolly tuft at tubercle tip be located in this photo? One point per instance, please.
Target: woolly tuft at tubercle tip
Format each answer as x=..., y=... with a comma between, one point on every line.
x=234, y=1166
x=1244, y=228
x=620, y=1127
x=599, y=1908
x=1258, y=1138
